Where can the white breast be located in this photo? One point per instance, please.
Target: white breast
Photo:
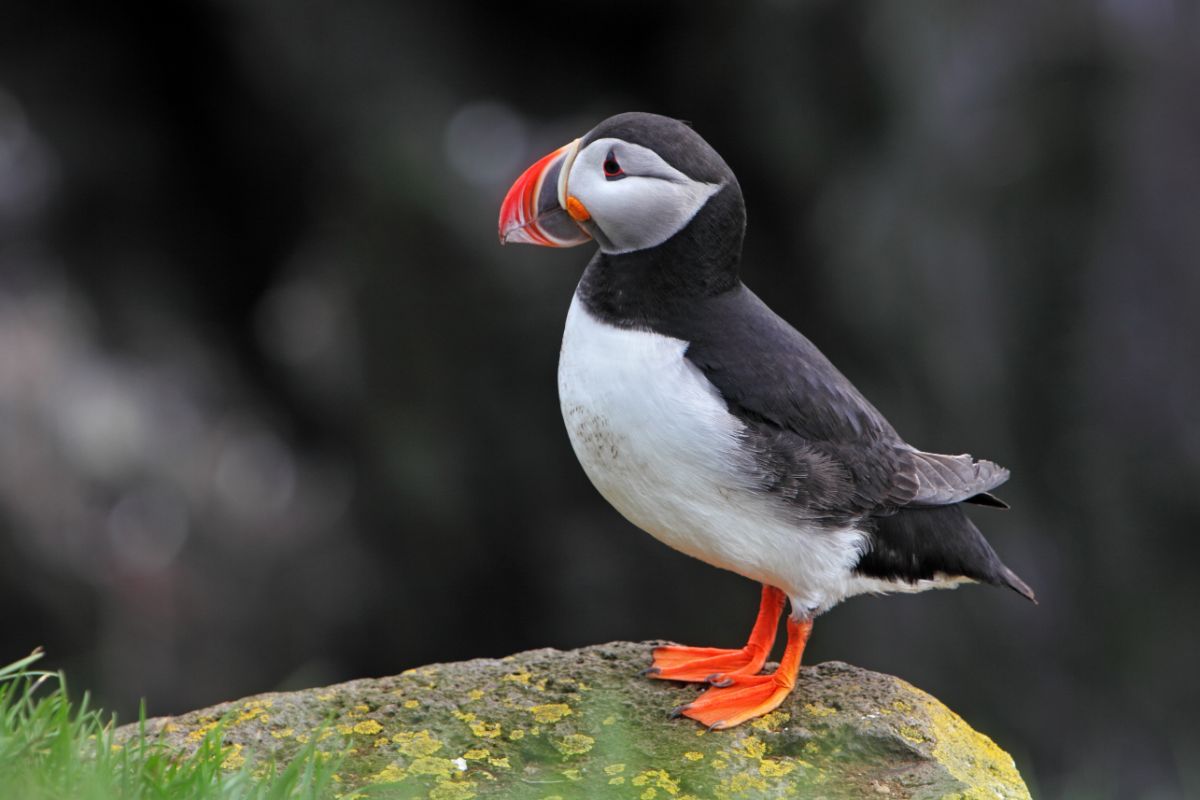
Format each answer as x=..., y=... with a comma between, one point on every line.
x=656, y=439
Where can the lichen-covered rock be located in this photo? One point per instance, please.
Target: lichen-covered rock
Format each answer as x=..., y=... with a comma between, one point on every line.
x=583, y=724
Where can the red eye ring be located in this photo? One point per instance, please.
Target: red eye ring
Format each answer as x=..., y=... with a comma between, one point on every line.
x=612, y=169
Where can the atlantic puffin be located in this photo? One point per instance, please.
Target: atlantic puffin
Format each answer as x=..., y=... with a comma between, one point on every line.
x=715, y=426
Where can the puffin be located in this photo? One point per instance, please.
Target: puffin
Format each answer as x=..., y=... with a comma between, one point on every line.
x=712, y=424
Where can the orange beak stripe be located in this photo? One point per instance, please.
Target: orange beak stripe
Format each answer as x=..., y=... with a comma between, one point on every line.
x=577, y=210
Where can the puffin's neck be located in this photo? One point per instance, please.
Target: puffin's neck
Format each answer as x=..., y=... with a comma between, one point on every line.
x=649, y=288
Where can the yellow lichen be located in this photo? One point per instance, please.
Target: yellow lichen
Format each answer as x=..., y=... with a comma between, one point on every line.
x=486, y=730
x=771, y=722
x=475, y=694
x=476, y=754
x=452, y=790
x=500, y=763
x=772, y=768
x=282, y=733
x=368, y=727
x=382, y=741
x=521, y=677
x=417, y=744
x=202, y=731
x=609, y=720
x=392, y=773
x=973, y=758
x=412, y=703
x=692, y=755
x=234, y=758
x=649, y=794
x=911, y=734
x=657, y=779
x=325, y=698
x=745, y=781
x=549, y=713
x=614, y=769
x=818, y=710
x=617, y=781
x=362, y=708
x=170, y=727
x=574, y=744
x=431, y=765
x=516, y=734
x=572, y=774
x=465, y=716
x=751, y=747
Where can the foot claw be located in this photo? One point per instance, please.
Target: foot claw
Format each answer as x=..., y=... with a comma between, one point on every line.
x=679, y=711
x=650, y=672
x=720, y=681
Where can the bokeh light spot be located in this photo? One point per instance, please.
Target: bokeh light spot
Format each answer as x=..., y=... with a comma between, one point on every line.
x=485, y=143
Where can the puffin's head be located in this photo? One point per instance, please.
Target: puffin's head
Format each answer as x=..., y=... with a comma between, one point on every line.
x=631, y=183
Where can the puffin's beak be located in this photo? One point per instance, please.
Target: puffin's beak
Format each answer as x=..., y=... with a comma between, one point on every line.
x=532, y=212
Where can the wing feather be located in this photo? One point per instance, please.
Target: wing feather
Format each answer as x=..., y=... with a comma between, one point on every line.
x=816, y=440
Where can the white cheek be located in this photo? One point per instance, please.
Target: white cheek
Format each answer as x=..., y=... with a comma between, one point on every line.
x=636, y=213
x=642, y=210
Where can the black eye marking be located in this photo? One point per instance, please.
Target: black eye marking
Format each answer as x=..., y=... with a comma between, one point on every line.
x=612, y=169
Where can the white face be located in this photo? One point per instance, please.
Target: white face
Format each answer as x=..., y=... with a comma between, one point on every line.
x=636, y=199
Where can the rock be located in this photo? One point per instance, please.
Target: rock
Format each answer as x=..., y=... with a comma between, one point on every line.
x=584, y=724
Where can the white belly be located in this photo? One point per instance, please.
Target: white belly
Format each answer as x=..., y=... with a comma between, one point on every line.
x=656, y=439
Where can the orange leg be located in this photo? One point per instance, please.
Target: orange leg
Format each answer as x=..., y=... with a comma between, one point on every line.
x=750, y=696
x=715, y=665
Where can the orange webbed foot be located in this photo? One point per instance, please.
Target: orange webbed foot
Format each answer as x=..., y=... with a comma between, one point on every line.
x=705, y=664
x=714, y=664
x=745, y=697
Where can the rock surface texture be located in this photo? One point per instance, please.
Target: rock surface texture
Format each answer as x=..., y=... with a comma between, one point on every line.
x=584, y=724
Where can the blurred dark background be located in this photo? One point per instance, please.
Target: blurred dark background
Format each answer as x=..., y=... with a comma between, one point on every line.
x=276, y=410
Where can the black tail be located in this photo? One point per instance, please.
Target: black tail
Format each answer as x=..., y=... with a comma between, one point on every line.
x=916, y=544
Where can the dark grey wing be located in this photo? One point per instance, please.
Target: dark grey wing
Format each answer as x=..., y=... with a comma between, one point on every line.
x=816, y=439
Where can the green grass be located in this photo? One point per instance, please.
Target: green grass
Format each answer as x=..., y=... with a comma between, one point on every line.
x=52, y=748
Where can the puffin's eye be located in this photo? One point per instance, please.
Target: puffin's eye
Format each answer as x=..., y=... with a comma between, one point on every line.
x=612, y=169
